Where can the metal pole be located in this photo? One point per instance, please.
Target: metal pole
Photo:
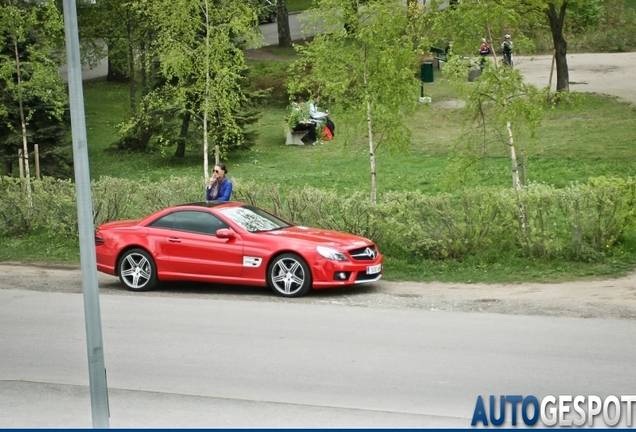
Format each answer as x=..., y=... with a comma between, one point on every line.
x=523, y=170
x=551, y=71
x=21, y=166
x=92, y=315
x=21, y=163
x=36, y=156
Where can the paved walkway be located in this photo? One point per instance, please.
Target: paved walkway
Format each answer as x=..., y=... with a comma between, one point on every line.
x=605, y=73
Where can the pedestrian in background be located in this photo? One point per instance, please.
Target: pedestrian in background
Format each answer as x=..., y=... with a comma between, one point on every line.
x=484, y=52
x=506, y=48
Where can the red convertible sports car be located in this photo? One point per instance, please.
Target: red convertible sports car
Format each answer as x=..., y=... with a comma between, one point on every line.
x=235, y=243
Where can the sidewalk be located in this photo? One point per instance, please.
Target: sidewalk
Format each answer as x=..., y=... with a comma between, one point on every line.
x=26, y=404
x=612, y=74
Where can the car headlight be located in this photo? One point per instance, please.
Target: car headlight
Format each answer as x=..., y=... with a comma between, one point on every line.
x=331, y=254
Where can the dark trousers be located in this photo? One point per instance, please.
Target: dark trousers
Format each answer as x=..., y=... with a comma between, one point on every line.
x=331, y=126
x=310, y=128
x=507, y=57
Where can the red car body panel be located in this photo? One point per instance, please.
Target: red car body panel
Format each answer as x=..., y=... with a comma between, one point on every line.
x=243, y=259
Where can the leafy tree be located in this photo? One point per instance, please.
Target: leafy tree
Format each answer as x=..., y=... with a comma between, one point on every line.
x=498, y=101
x=32, y=93
x=364, y=63
x=585, y=14
x=199, y=53
x=470, y=20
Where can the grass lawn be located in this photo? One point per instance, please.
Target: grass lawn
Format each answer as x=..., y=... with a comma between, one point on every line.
x=572, y=144
x=298, y=5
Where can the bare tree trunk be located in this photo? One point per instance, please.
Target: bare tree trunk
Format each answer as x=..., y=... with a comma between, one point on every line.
x=491, y=44
x=524, y=179
x=36, y=158
x=131, y=70
x=551, y=73
x=515, y=177
x=513, y=158
x=143, y=70
x=25, y=147
x=284, y=34
x=560, y=45
x=374, y=187
x=20, y=163
x=206, y=169
x=183, y=133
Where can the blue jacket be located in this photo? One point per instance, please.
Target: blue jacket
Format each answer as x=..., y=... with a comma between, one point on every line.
x=224, y=193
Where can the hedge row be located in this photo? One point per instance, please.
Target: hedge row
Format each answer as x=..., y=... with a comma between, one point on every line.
x=582, y=222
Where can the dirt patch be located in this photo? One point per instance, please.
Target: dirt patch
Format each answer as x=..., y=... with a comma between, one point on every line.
x=590, y=299
x=264, y=54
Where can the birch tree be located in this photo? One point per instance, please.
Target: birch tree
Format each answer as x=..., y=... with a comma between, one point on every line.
x=199, y=55
x=365, y=62
x=499, y=101
x=31, y=31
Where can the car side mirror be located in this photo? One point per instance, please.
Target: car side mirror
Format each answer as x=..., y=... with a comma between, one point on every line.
x=225, y=233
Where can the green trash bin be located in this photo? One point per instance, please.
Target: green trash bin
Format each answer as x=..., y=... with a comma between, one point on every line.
x=427, y=72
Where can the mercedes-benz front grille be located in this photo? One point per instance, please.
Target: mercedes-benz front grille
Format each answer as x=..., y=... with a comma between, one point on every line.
x=367, y=253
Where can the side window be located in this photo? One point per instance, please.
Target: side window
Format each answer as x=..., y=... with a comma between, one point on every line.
x=165, y=222
x=198, y=222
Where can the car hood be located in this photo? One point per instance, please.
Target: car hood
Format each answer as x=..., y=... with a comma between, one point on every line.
x=323, y=237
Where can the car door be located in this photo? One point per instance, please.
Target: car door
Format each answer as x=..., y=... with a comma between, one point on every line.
x=188, y=245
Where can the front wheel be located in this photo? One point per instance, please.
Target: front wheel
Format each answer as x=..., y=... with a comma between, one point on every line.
x=137, y=270
x=289, y=275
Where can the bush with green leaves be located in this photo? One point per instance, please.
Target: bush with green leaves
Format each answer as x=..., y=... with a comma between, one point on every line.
x=579, y=222
x=450, y=225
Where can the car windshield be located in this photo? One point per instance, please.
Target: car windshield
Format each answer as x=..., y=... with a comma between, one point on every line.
x=253, y=219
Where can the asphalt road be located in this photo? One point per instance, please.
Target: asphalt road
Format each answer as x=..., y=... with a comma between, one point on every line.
x=204, y=362
x=387, y=357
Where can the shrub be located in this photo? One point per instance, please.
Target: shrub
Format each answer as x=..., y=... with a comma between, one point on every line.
x=270, y=76
x=579, y=222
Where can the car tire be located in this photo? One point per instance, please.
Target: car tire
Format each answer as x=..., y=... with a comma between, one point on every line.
x=288, y=275
x=137, y=270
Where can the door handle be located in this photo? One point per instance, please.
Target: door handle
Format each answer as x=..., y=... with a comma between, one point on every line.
x=174, y=239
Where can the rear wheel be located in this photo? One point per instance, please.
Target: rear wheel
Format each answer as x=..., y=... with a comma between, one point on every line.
x=289, y=275
x=137, y=270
